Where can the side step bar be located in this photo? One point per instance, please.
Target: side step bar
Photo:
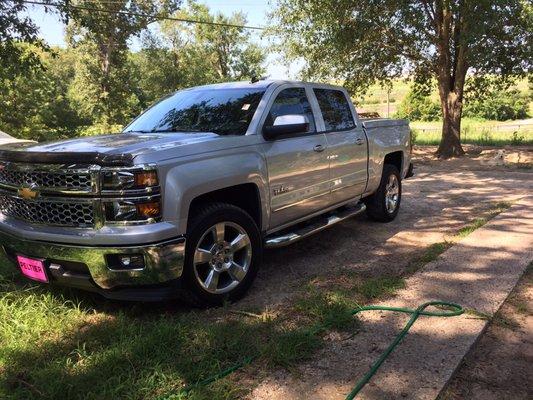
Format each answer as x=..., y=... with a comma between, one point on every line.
x=315, y=225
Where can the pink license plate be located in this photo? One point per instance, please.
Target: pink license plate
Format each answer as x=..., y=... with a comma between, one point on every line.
x=33, y=269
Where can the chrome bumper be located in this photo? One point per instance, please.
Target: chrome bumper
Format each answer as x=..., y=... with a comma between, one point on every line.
x=163, y=262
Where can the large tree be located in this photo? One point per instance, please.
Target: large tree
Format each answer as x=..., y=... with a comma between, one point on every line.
x=183, y=54
x=222, y=44
x=364, y=41
x=100, y=31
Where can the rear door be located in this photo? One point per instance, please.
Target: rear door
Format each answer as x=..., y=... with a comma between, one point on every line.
x=347, y=145
x=298, y=167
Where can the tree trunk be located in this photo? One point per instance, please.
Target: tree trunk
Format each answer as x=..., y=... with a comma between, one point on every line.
x=452, y=109
x=451, y=72
x=105, y=69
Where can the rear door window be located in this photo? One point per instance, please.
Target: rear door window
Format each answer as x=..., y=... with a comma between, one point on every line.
x=335, y=109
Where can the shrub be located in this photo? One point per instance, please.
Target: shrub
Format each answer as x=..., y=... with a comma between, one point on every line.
x=517, y=139
x=418, y=107
x=499, y=106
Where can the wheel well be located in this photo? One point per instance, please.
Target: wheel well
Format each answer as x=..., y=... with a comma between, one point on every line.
x=395, y=159
x=245, y=196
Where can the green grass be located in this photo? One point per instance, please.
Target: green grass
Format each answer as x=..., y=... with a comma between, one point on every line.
x=482, y=133
x=374, y=288
x=55, y=345
x=480, y=221
x=430, y=253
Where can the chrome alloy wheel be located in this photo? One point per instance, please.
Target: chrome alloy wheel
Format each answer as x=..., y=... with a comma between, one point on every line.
x=392, y=194
x=222, y=257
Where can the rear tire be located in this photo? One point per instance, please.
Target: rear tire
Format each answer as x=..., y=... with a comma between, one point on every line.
x=384, y=204
x=222, y=256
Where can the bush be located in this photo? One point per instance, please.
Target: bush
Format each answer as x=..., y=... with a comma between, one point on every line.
x=517, y=139
x=417, y=107
x=499, y=106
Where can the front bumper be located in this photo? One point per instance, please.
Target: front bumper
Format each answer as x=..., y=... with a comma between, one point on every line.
x=86, y=267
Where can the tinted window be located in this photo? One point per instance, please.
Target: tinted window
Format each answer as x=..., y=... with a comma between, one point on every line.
x=291, y=101
x=335, y=109
x=222, y=111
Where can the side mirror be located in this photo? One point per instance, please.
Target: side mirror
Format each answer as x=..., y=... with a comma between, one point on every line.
x=286, y=125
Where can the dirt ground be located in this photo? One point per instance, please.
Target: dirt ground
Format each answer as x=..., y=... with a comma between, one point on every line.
x=436, y=202
x=500, y=366
x=441, y=198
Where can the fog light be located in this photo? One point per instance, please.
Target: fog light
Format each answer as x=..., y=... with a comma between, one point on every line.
x=125, y=261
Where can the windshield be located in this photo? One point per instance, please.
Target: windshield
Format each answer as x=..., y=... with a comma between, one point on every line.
x=222, y=111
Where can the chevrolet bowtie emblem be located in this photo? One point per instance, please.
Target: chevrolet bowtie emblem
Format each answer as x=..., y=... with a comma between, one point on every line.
x=28, y=193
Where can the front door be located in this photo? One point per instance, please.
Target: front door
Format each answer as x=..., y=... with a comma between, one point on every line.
x=298, y=167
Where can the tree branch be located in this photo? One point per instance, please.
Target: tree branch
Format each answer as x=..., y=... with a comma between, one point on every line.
x=429, y=11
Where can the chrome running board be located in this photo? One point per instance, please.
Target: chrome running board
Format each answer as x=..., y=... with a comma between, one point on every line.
x=313, y=226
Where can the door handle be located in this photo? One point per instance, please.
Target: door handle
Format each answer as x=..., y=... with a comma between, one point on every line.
x=359, y=141
x=319, y=148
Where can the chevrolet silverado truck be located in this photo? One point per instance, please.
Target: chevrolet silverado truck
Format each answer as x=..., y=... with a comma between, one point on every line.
x=184, y=200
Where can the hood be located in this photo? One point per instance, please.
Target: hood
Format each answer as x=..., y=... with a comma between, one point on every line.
x=105, y=149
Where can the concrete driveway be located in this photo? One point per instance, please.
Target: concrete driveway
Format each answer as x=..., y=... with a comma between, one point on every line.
x=441, y=198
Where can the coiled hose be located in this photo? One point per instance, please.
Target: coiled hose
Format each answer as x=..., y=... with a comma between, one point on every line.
x=450, y=310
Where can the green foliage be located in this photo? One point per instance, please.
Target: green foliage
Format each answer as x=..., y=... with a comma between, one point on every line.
x=102, y=86
x=35, y=101
x=417, y=106
x=14, y=29
x=190, y=55
x=347, y=40
x=97, y=85
x=499, y=106
x=361, y=42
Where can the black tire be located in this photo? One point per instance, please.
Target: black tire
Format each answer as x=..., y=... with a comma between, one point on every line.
x=206, y=217
x=376, y=206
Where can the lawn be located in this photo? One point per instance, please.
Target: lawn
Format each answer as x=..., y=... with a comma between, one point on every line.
x=483, y=133
x=62, y=344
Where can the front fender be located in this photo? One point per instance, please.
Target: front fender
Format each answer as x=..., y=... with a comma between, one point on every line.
x=192, y=178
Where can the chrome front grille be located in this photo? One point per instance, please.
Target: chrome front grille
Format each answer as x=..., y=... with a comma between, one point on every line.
x=61, y=213
x=69, y=195
x=44, y=179
x=50, y=178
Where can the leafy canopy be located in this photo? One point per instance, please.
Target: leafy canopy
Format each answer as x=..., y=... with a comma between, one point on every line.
x=16, y=28
x=360, y=42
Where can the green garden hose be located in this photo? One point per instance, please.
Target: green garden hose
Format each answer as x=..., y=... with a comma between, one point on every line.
x=450, y=310
x=453, y=310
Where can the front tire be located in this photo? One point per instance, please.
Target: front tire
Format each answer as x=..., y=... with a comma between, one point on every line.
x=384, y=204
x=223, y=253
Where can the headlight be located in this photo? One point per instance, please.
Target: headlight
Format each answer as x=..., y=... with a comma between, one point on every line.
x=116, y=180
x=131, y=195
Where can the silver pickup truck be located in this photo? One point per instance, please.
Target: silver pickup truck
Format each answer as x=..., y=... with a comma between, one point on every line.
x=184, y=200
